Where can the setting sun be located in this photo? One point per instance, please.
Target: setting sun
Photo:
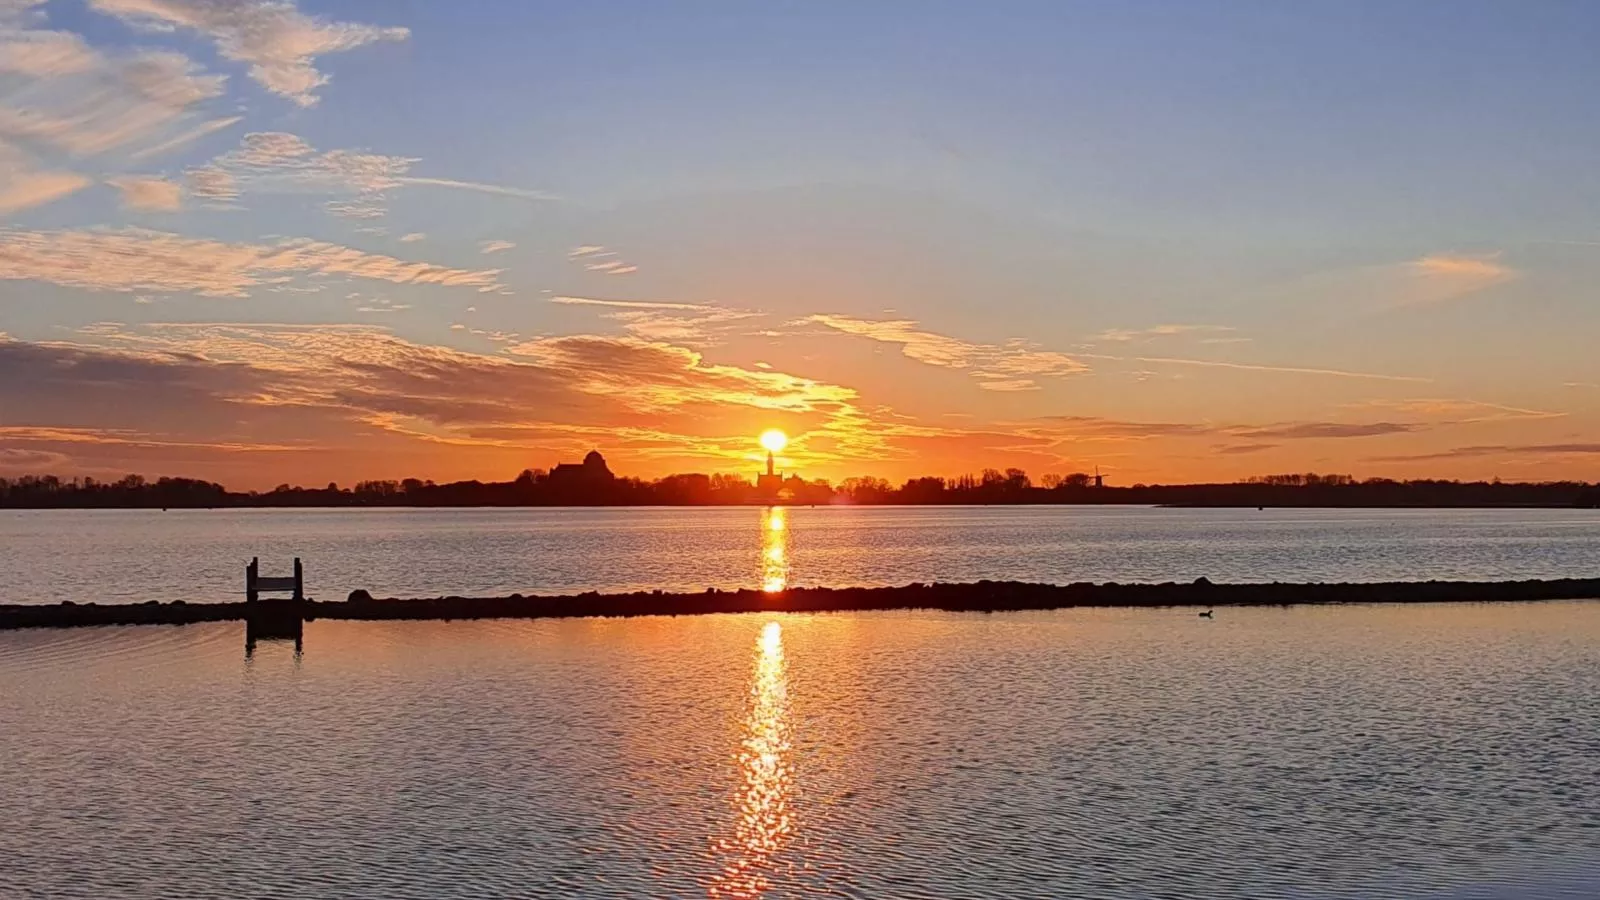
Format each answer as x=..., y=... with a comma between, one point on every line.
x=774, y=440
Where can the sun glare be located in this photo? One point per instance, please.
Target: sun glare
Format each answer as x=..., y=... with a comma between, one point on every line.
x=774, y=440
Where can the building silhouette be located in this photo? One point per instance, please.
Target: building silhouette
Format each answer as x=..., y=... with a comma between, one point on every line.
x=771, y=483
x=591, y=475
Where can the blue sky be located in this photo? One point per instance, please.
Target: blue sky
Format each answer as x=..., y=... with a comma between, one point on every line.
x=1176, y=240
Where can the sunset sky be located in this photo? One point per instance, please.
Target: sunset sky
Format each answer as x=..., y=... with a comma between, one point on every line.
x=264, y=242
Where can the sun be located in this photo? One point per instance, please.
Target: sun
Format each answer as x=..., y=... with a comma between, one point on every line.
x=774, y=440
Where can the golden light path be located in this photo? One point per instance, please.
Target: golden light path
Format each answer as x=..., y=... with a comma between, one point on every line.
x=763, y=821
x=775, y=550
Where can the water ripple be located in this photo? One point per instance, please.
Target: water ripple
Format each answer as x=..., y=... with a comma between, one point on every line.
x=1447, y=753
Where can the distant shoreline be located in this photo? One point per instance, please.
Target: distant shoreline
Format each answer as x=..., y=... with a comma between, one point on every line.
x=982, y=596
x=592, y=484
x=1144, y=504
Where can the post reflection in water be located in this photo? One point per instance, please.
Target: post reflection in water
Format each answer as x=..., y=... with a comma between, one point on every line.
x=763, y=821
x=775, y=549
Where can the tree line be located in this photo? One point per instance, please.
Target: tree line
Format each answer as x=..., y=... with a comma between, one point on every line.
x=534, y=487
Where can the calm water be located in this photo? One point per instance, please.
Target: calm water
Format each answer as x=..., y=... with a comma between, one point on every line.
x=1362, y=752
x=129, y=555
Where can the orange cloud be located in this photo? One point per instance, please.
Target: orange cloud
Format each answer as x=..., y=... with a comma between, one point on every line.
x=1479, y=268
x=1440, y=277
x=337, y=386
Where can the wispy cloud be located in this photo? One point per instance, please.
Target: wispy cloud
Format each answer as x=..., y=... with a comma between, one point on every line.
x=1129, y=335
x=1242, y=449
x=599, y=259
x=69, y=98
x=187, y=137
x=22, y=186
x=1572, y=449
x=213, y=184
x=358, y=182
x=45, y=54
x=413, y=237
x=1474, y=268
x=488, y=247
x=1012, y=366
x=139, y=260
x=278, y=162
x=1441, y=277
x=1097, y=428
x=628, y=304
x=149, y=194
x=692, y=324
x=1449, y=410
x=1325, y=430
x=479, y=187
x=695, y=329
x=279, y=43
x=1258, y=367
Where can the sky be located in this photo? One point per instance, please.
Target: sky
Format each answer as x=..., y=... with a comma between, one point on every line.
x=264, y=241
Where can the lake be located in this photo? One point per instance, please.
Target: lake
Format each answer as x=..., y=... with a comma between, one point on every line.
x=1445, y=751
x=47, y=556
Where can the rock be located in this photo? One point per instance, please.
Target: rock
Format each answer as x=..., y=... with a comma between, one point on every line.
x=359, y=595
x=1202, y=581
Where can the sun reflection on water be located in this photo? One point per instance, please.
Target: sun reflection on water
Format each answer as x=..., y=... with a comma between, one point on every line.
x=775, y=550
x=763, y=821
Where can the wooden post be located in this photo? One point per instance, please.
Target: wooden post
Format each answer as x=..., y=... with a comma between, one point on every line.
x=299, y=584
x=250, y=573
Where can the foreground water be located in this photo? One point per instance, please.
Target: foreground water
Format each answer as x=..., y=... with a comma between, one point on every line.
x=199, y=555
x=1359, y=752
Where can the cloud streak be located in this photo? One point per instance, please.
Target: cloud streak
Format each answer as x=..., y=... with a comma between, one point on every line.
x=1256, y=367
x=22, y=186
x=600, y=260
x=628, y=304
x=1126, y=335
x=1013, y=366
x=478, y=187
x=357, y=182
x=132, y=259
x=1568, y=449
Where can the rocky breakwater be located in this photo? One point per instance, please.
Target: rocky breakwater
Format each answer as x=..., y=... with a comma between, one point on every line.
x=982, y=596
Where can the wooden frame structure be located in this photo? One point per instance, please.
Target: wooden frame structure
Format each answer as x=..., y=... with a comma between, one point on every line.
x=281, y=617
x=255, y=583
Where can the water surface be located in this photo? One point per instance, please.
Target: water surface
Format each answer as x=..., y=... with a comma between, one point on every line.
x=137, y=555
x=1446, y=751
